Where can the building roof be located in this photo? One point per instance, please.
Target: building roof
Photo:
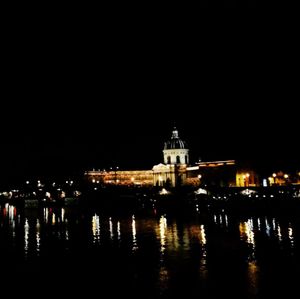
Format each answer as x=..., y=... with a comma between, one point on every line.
x=175, y=142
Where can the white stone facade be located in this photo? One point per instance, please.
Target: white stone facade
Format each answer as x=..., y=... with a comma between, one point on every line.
x=176, y=156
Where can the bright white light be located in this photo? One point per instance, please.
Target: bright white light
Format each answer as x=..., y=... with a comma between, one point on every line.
x=246, y=229
x=119, y=230
x=26, y=236
x=134, y=240
x=11, y=213
x=201, y=191
x=164, y=192
x=226, y=221
x=37, y=235
x=162, y=230
x=46, y=215
x=111, y=232
x=248, y=192
x=96, y=228
x=291, y=236
x=279, y=233
x=202, y=235
x=268, y=228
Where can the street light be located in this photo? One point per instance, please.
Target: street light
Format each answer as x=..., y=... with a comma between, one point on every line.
x=286, y=177
x=274, y=178
x=247, y=181
x=199, y=178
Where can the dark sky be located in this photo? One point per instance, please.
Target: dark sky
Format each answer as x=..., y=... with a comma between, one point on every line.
x=72, y=105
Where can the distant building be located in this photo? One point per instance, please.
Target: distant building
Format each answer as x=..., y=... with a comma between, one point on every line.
x=121, y=177
x=176, y=159
x=213, y=173
x=176, y=171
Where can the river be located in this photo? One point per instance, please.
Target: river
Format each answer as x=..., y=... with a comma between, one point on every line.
x=147, y=253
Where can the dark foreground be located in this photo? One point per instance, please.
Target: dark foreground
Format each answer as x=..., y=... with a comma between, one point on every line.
x=150, y=251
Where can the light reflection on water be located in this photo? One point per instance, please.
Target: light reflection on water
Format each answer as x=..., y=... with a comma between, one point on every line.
x=111, y=229
x=96, y=228
x=119, y=230
x=182, y=251
x=38, y=238
x=162, y=232
x=134, y=240
x=26, y=237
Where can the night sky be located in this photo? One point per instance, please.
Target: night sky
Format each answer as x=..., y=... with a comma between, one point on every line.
x=68, y=107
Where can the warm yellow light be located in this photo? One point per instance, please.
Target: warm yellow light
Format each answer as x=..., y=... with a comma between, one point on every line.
x=274, y=175
x=286, y=176
x=247, y=175
x=132, y=179
x=199, y=176
x=93, y=180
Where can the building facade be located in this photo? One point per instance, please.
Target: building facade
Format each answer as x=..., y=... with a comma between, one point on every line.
x=176, y=171
x=176, y=158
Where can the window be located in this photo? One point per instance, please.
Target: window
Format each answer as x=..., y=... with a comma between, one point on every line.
x=168, y=160
x=177, y=159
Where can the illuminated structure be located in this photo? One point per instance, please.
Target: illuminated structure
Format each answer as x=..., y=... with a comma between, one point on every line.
x=175, y=150
x=121, y=177
x=176, y=171
x=176, y=159
x=214, y=173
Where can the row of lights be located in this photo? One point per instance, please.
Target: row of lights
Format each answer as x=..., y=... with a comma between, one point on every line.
x=274, y=176
x=117, y=181
x=39, y=184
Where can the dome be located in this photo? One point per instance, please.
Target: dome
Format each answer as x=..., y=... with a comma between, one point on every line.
x=175, y=142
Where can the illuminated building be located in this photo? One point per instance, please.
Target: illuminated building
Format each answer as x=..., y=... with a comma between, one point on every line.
x=121, y=177
x=176, y=158
x=176, y=171
x=212, y=173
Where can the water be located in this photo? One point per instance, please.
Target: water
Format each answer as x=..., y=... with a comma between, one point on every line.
x=144, y=253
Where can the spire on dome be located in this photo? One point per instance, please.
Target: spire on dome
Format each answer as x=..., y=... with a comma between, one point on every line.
x=175, y=142
x=175, y=133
